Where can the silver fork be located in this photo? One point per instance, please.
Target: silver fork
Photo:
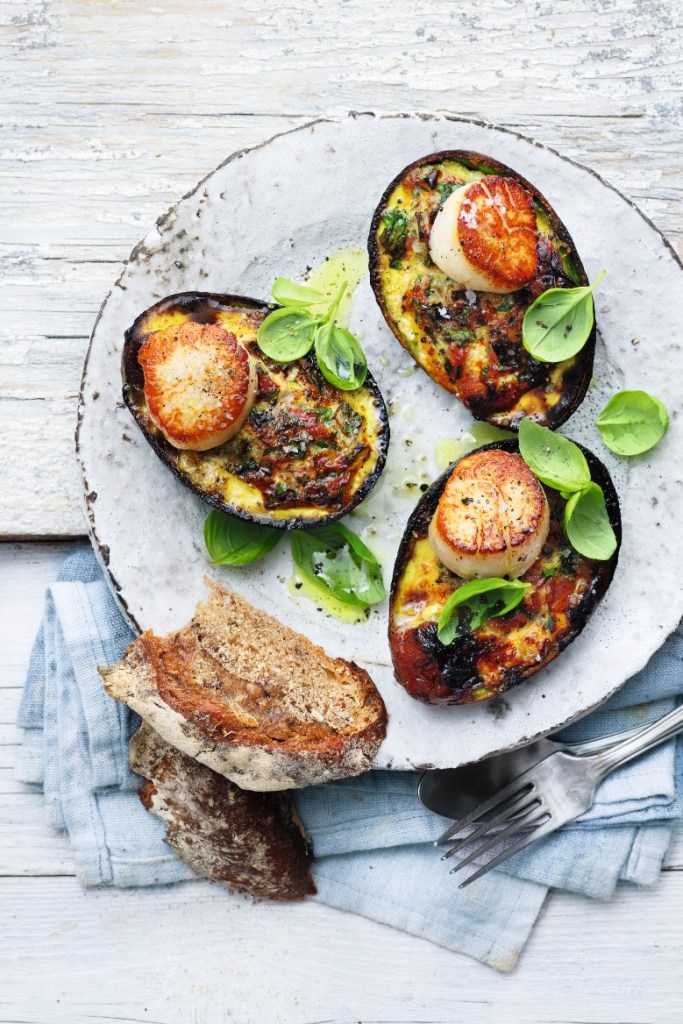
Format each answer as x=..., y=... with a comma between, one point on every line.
x=548, y=795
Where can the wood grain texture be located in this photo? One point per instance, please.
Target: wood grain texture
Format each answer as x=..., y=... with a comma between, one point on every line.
x=112, y=110
x=191, y=954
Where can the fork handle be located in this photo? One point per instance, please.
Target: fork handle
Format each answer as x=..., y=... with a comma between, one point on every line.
x=648, y=738
x=596, y=746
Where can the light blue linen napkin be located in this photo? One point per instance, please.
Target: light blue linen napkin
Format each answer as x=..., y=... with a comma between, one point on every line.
x=371, y=836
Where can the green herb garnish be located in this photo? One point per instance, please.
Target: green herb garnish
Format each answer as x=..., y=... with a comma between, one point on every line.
x=336, y=560
x=475, y=602
x=291, y=332
x=557, y=462
x=232, y=541
x=287, y=334
x=340, y=357
x=394, y=233
x=632, y=422
x=289, y=293
x=587, y=523
x=560, y=464
x=558, y=323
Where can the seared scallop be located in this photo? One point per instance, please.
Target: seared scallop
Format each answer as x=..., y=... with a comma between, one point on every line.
x=492, y=518
x=484, y=236
x=200, y=384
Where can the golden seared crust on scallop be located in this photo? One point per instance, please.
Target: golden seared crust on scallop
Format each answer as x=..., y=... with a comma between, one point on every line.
x=200, y=384
x=492, y=518
x=497, y=231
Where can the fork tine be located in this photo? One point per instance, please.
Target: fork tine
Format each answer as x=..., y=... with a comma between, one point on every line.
x=487, y=826
x=535, y=813
x=537, y=833
x=512, y=790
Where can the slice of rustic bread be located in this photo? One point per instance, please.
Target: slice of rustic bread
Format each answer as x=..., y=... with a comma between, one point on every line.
x=254, y=842
x=252, y=699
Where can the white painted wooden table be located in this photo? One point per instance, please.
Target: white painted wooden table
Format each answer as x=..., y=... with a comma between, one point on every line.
x=111, y=109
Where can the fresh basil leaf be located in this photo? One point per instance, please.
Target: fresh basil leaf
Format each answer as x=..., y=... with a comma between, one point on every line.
x=557, y=325
x=587, y=524
x=286, y=334
x=232, y=541
x=475, y=602
x=337, y=561
x=557, y=462
x=289, y=293
x=632, y=422
x=340, y=358
x=289, y=333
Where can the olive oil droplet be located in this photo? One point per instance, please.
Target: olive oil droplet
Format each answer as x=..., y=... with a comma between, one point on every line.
x=448, y=449
x=297, y=587
x=350, y=265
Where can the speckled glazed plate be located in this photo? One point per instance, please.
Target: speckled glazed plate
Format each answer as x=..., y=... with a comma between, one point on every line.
x=281, y=208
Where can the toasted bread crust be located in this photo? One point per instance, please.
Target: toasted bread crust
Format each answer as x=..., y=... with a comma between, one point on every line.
x=251, y=698
x=253, y=842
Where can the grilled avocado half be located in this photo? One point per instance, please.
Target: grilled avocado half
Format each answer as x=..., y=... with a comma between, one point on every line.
x=470, y=342
x=504, y=651
x=306, y=454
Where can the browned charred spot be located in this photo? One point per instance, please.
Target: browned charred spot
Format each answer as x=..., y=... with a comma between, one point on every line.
x=416, y=667
x=147, y=794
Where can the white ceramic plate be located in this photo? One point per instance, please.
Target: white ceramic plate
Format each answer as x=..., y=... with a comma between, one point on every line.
x=282, y=207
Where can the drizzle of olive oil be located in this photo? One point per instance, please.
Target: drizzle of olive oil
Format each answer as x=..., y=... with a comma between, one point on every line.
x=411, y=486
x=407, y=370
x=298, y=586
x=350, y=265
x=448, y=449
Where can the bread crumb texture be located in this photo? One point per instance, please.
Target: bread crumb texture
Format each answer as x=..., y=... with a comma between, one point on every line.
x=251, y=698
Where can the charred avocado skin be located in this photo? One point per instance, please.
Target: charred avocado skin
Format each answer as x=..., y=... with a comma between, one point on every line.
x=472, y=347
x=306, y=455
x=566, y=588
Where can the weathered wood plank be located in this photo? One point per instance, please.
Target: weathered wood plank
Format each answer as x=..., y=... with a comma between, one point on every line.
x=111, y=111
x=609, y=57
x=193, y=953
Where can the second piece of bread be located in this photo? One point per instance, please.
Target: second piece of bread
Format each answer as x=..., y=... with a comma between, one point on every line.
x=253, y=842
